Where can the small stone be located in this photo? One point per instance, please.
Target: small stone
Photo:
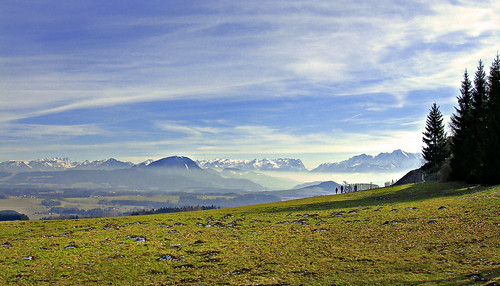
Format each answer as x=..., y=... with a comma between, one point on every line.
x=166, y=258
x=140, y=239
x=7, y=245
x=477, y=278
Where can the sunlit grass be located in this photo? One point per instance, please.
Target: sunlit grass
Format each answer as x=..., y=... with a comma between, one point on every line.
x=429, y=234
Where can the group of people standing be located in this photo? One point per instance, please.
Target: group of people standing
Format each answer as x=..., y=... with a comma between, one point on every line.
x=342, y=189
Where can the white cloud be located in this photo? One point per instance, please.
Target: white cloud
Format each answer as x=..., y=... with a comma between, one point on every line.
x=259, y=49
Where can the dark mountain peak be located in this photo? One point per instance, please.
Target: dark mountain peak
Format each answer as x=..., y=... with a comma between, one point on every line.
x=327, y=186
x=175, y=162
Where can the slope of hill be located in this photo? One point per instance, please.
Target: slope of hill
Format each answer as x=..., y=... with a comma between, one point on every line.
x=405, y=235
x=308, y=190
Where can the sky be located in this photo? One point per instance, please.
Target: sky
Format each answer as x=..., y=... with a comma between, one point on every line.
x=318, y=81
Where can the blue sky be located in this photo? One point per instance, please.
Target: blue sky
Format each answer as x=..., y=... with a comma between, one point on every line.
x=314, y=80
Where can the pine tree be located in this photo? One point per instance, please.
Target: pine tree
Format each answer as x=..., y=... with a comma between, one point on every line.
x=436, y=149
x=460, y=125
x=478, y=125
x=491, y=155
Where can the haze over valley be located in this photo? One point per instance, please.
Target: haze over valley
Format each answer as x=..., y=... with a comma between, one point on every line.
x=53, y=187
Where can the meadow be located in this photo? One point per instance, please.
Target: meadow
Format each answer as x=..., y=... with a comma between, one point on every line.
x=435, y=233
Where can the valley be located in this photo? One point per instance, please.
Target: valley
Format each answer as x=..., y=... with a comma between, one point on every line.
x=61, y=188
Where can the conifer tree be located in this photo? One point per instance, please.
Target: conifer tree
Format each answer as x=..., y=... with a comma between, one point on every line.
x=478, y=125
x=460, y=125
x=491, y=154
x=436, y=149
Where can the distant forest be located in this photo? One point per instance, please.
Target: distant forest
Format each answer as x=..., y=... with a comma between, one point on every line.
x=12, y=215
x=173, y=210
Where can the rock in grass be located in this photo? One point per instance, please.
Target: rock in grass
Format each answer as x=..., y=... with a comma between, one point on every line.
x=166, y=258
x=7, y=245
x=477, y=277
x=137, y=238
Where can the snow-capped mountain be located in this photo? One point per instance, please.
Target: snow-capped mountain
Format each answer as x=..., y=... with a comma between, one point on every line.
x=280, y=164
x=53, y=164
x=15, y=166
x=57, y=164
x=171, y=174
x=109, y=164
x=398, y=160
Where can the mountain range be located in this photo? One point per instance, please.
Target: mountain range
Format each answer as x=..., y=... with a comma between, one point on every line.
x=397, y=160
x=171, y=174
x=286, y=164
x=58, y=164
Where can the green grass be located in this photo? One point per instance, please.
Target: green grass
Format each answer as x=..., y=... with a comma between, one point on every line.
x=399, y=235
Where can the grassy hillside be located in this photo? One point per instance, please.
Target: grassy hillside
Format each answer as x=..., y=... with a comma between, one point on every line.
x=413, y=234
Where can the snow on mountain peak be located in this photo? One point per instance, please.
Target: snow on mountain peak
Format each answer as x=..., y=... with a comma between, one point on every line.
x=398, y=160
x=265, y=164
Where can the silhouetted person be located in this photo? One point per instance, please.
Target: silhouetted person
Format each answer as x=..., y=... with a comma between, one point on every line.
x=336, y=190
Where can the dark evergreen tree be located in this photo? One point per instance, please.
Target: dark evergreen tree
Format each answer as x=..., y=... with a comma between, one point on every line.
x=491, y=154
x=460, y=125
x=478, y=125
x=436, y=149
